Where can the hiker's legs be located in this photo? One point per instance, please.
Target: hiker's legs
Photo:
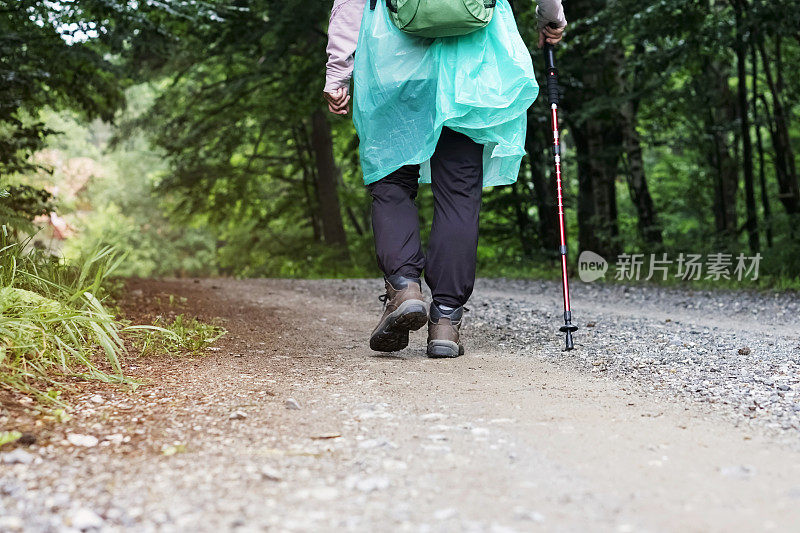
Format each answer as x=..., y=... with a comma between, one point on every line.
x=457, y=179
x=395, y=224
x=400, y=257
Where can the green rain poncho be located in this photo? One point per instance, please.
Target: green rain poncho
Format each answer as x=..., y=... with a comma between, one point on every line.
x=407, y=88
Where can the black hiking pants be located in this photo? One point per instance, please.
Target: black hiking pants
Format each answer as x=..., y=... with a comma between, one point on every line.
x=456, y=181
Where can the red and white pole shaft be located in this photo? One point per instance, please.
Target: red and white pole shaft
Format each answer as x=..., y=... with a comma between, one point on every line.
x=552, y=91
x=560, y=196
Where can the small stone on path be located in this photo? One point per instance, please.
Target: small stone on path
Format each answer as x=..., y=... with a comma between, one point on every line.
x=27, y=439
x=291, y=403
x=326, y=436
x=738, y=471
x=87, y=441
x=373, y=483
x=115, y=439
x=18, y=457
x=269, y=473
x=84, y=519
x=376, y=443
x=524, y=514
x=445, y=514
x=11, y=523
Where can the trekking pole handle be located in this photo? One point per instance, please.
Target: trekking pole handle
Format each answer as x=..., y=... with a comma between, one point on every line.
x=552, y=73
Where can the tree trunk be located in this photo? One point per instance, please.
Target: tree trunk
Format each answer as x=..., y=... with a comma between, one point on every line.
x=327, y=176
x=762, y=179
x=785, y=170
x=598, y=156
x=598, y=136
x=607, y=148
x=536, y=144
x=747, y=147
x=649, y=229
x=523, y=221
x=721, y=113
x=587, y=238
x=304, y=153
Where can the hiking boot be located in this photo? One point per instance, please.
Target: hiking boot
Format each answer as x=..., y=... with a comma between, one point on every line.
x=443, y=326
x=405, y=310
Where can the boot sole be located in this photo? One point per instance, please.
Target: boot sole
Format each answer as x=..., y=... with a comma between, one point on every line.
x=444, y=349
x=391, y=335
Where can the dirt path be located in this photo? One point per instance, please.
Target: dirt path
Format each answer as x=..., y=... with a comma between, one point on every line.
x=508, y=438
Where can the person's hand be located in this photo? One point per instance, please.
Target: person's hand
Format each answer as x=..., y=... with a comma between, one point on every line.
x=550, y=35
x=339, y=101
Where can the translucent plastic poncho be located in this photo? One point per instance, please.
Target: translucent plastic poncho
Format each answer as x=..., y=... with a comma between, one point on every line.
x=407, y=88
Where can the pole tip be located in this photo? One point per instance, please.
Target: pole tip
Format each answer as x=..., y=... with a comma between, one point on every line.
x=570, y=344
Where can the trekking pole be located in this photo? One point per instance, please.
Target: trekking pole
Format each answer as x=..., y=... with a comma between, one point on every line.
x=552, y=91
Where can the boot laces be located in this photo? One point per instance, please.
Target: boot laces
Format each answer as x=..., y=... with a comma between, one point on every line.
x=384, y=298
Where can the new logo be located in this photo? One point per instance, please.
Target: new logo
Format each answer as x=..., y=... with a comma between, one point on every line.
x=591, y=266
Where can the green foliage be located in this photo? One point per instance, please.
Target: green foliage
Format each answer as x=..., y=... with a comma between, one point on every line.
x=26, y=201
x=55, y=322
x=153, y=246
x=226, y=180
x=117, y=206
x=51, y=54
x=182, y=336
x=20, y=204
x=9, y=436
x=53, y=318
x=235, y=129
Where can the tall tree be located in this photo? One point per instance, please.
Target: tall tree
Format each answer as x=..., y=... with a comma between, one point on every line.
x=751, y=223
x=249, y=151
x=327, y=177
x=53, y=55
x=595, y=124
x=762, y=175
x=537, y=144
x=719, y=116
x=630, y=90
x=785, y=167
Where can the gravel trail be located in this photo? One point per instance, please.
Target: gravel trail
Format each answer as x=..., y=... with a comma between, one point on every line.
x=676, y=411
x=737, y=349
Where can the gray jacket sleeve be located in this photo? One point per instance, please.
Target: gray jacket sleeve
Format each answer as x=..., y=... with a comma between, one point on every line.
x=550, y=11
x=343, y=29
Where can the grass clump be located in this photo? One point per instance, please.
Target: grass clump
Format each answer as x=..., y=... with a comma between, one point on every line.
x=180, y=336
x=53, y=320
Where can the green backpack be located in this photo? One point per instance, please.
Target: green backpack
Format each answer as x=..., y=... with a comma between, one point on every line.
x=439, y=18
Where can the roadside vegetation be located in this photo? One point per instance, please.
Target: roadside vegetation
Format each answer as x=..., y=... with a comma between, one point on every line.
x=53, y=318
x=187, y=336
x=58, y=322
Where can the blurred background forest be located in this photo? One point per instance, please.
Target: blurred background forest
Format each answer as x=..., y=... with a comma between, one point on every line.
x=194, y=137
